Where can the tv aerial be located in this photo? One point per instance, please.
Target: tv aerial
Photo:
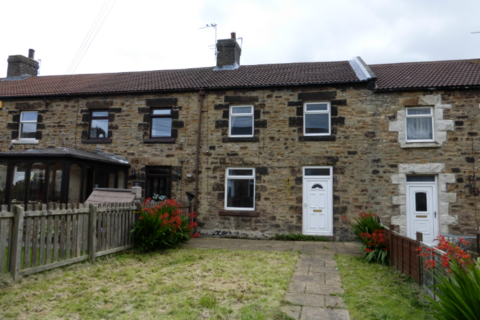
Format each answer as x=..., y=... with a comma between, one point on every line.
x=214, y=26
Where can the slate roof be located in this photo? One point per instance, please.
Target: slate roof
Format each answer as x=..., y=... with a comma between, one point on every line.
x=95, y=155
x=183, y=79
x=431, y=74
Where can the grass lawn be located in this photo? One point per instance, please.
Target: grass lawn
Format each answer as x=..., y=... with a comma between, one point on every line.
x=176, y=284
x=373, y=291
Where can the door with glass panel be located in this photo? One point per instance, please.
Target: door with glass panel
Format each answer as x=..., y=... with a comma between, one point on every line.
x=422, y=215
x=317, y=201
x=159, y=182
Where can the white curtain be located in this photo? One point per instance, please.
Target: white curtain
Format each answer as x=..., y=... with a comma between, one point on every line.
x=419, y=129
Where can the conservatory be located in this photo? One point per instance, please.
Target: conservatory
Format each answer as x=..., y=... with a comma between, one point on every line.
x=60, y=175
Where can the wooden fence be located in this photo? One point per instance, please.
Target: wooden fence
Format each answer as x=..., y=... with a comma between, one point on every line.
x=405, y=258
x=46, y=237
x=403, y=254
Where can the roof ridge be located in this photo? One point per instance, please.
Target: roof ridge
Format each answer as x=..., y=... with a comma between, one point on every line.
x=427, y=62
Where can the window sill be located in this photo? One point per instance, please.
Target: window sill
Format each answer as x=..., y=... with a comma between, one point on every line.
x=244, y=139
x=226, y=213
x=97, y=141
x=407, y=145
x=25, y=141
x=159, y=140
x=317, y=138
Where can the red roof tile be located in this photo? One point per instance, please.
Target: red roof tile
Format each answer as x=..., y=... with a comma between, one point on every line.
x=431, y=74
x=183, y=79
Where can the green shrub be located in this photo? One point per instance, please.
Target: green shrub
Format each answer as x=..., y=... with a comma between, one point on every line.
x=457, y=283
x=458, y=293
x=298, y=237
x=366, y=223
x=372, y=234
x=162, y=226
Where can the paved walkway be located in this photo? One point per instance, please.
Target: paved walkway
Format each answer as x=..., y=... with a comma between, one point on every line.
x=316, y=281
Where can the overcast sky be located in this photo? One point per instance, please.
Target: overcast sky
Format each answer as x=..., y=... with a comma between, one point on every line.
x=151, y=35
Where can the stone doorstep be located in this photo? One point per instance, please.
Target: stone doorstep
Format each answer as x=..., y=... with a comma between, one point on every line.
x=305, y=299
x=316, y=278
x=323, y=289
x=315, y=313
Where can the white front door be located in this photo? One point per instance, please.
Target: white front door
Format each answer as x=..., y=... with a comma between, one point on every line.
x=422, y=215
x=317, y=198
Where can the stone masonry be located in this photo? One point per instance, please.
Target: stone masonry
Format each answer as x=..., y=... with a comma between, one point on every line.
x=369, y=159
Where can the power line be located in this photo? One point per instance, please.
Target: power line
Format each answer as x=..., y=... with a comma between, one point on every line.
x=92, y=33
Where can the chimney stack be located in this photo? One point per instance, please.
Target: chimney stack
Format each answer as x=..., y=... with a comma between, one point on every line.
x=228, y=53
x=22, y=67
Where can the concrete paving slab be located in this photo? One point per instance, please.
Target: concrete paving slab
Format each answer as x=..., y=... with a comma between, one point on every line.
x=315, y=313
x=292, y=311
x=335, y=302
x=303, y=299
x=296, y=287
x=308, y=278
x=315, y=288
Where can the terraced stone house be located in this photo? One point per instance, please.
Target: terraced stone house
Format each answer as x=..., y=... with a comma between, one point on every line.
x=264, y=149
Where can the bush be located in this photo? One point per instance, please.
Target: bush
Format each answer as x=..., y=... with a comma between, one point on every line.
x=366, y=223
x=162, y=226
x=298, y=237
x=372, y=234
x=458, y=287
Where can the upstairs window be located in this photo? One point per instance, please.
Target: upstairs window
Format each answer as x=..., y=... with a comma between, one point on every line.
x=240, y=189
x=99, y=125
x=419, y=122
x=316, y=119
x=161, y=126
x=28, y=125
x=241, y=121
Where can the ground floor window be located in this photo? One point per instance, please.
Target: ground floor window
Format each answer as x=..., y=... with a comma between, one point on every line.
x=240, y=189
x=159, y=182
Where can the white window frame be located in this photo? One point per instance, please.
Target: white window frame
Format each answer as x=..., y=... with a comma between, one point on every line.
x=20, y=131
x=233, y=177
x=431, y=116
x=231, y=115
x=305, y=113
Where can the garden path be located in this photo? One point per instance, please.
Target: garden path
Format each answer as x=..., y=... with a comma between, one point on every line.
x=315, y=283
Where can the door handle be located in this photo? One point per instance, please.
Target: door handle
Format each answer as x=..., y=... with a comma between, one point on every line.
x=435, y=213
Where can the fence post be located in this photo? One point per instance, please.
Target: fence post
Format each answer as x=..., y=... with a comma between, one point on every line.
x=92, y=239
x=420, y=267
x=478, y=242
x=16, y=251
x=390, y=240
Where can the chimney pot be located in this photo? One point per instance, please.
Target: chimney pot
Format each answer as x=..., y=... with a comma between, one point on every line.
x=234, y=36
x=31, y=53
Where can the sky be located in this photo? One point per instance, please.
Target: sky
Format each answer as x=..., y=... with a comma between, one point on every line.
x=152, y=35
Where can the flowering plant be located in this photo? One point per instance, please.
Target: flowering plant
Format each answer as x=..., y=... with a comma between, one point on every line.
x=375, y=246
x=372, y=234
x=163, y=225
x=457, y=289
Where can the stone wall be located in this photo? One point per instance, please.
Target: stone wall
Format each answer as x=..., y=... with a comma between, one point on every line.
x=366, y=155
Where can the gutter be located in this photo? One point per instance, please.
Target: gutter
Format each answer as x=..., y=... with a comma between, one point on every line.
x=197, y=165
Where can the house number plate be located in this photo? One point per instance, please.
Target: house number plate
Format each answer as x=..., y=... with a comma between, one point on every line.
x=317, y=210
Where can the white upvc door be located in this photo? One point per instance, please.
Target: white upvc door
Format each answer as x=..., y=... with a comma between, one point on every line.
x=317, y=202
x=422, y=212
